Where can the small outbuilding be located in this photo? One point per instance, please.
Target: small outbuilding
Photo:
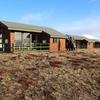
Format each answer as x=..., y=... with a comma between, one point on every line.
x=97, y=44
x=93, y=43
x=83, y=42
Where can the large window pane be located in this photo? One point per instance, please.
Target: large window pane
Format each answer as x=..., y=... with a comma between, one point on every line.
x=18, y=40
x=0, y=38
x=26, y=39
x=0, y=35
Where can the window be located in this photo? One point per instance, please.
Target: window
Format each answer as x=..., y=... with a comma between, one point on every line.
x=44, y=41
x=22, y=39
x=0, y=35
x=18, y=41
x=26, y=39
x=0, y=41
x=6, y=40
x=55, y=40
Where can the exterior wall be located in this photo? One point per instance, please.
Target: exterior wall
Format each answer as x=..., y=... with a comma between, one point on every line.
x=60, y=46
x=6, y=40
x=43, y=36
x=11, y=41
x=90, y=45
x=53, y=46
x=81, y=44
x=1, y=40
x=96, y=44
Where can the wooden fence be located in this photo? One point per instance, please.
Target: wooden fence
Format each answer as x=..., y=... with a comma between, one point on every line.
x=36, y=46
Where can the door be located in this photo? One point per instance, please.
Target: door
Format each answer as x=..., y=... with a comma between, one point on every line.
x=59, y=44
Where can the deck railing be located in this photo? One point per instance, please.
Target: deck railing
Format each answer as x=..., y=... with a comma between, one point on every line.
x=33, y=46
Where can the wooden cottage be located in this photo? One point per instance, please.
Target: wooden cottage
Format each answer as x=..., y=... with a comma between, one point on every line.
x=93, y=43
x=83, y=42
x=17, y=36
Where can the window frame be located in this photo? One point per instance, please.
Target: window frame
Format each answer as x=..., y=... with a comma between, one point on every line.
x=55, y=40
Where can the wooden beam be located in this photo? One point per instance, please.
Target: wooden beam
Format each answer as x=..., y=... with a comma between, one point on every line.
x=30, y=40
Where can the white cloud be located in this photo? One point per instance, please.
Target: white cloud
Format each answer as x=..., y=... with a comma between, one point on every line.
x=31, y=17
x=37, y=17
x=91, y=36
x=89, y=26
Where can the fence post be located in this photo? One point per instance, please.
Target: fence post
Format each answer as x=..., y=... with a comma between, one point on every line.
x=30, y=41
x=12, y=47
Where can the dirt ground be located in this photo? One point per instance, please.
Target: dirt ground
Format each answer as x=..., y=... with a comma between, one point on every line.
x=50, y=76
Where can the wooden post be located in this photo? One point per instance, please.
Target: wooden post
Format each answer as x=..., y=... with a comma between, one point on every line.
x=21, y=40
x=30, y=40
x=12, y=39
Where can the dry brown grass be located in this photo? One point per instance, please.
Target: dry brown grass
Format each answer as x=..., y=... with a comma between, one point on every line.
x=50, y=76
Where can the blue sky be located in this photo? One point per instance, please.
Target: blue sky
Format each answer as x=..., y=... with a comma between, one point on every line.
x=78, y=17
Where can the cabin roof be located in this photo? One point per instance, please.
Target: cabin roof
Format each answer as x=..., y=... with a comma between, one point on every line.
x=77, y=37
x=31, y=28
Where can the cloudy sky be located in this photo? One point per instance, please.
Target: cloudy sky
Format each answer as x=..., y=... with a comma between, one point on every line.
x=77, y=17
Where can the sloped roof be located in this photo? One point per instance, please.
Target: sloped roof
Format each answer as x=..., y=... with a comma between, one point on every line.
x=77, y=37
x=31, y=28
x=67, y=36
x=93, y=40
